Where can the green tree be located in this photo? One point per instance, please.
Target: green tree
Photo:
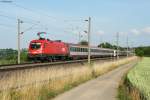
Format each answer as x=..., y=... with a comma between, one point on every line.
x=139, y=52
x=105, y=45
x=83, y=42
x=110, y=46
x=143, y=51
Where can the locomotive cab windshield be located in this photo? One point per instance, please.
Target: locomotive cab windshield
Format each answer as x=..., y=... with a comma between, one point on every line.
x=35, y=45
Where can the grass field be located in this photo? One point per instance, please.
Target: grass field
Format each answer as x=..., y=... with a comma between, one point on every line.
x=139, y=78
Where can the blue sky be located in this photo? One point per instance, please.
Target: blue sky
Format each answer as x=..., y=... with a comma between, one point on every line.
x=64, y=19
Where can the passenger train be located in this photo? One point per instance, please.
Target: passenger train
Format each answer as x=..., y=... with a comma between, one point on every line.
x=48, y=50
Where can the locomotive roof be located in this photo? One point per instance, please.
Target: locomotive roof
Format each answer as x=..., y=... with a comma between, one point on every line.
x=43, y=40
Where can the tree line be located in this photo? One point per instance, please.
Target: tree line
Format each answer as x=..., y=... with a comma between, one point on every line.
x=11, y=54
x=143, y=51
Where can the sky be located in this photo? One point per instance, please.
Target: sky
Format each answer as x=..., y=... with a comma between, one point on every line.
x=65, y=19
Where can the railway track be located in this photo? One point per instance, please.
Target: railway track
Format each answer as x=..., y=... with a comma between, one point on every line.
x=12, y=67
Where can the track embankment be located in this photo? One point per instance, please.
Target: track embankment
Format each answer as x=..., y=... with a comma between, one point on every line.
x=24, y=66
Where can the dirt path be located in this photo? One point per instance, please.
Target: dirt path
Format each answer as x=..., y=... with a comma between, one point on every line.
x=102, y=88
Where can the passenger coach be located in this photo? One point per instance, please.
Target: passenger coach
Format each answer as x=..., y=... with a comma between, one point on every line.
x=78, y=51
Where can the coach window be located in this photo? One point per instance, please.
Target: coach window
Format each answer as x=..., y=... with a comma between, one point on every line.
x=84, y=50
x=75, y=49
x=81, y=49
x=78, y=49
x=71, y=49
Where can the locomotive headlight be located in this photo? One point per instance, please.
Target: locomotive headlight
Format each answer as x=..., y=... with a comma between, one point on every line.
x=63, y=49
x=40, y=50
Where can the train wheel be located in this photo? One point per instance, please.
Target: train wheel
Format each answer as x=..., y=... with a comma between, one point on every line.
x=49, y=59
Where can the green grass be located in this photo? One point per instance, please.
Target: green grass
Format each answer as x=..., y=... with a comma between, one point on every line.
x=122, y=93
x=139, y=77
x=12, y=61
x=4, y=62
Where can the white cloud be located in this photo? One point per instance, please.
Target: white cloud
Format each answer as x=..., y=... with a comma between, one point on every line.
x=123, y=33
x=100, y=32
x=135, y=31
x=146, y=30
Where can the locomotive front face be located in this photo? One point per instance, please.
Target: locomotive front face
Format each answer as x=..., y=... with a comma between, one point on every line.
x=35, y=45
x=35, y=49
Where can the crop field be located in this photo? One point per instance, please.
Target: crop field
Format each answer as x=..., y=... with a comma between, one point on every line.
x=139, y=77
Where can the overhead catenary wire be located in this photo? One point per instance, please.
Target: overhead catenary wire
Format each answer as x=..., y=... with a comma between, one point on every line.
x=47, y=15
x=14, y=19
x=8, y=17
x=34, y=21
x=7, y=26
x=30, y=27
x=33, y=11
x=44, y=14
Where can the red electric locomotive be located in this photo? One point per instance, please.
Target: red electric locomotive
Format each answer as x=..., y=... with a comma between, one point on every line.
x=45, y=49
